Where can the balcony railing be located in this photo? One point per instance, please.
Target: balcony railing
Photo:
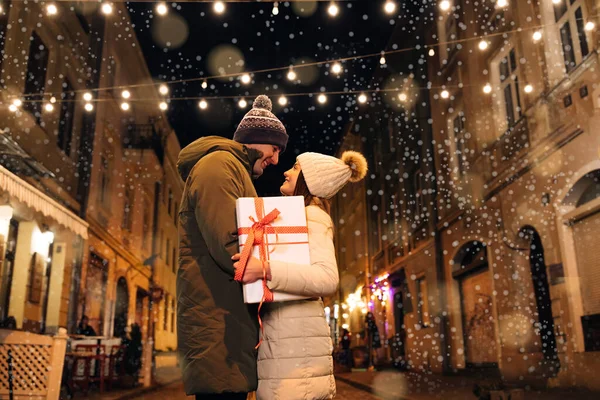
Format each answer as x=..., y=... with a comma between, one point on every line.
x=144, y=137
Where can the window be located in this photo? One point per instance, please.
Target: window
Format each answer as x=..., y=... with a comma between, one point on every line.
x=461, y=138
x=172, y=315
x=105, y=181
x=174, y=259
x=448, y=34
x=422, y=302
x=147, y=221
x=170, y=205
x=570, y=19
x=166, y=312
x=419, y=188
x=509, y=86
x=168, y=250
x=35, y=80
x=67, y=116
x=128, y=210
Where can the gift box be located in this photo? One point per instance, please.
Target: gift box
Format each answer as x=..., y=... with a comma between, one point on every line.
x=275, y=228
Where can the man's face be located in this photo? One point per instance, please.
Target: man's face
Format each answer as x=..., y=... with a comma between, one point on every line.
x=270, y=157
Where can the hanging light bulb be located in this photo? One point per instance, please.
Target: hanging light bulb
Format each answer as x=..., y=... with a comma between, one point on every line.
x=445, y=94
x=589, y=26
x=322, y=99
x=125, y=94
x=431, y=52
x=282, y=101
x=52, y=99
x=125, y=106
x=17, y=102
x=502, y=3
x=483, y=44
x=163, y=105
x=275, y=10
x=333, y=9
x=362, y=98
x=219, y=7
x=382, y=60
x=51, y=9
x=107, y=8
x=537, y=36
x=389, y=6
x=487, y=89
x=162, y=9
x=48, y=107
x=87, y=96
x=336, y=68
x=556, y=1
x=12, y=108
x=528, y=88
x=402, y=97
x=163, y=89
x=245, y=79
x=203, y=104
x=444, y=5
x=1, y=9
x=204, y=84
x=242, y=103
x=291, y=75
x=89, y=107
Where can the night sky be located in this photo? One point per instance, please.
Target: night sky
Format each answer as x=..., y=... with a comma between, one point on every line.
x=264, y=41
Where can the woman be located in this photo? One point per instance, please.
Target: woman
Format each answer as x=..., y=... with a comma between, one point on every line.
x=295, y=358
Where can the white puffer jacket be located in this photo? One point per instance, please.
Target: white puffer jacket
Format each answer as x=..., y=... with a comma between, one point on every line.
x=295, y=358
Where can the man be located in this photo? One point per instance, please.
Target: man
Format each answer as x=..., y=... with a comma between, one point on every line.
x=84, y=328
x=216, y=331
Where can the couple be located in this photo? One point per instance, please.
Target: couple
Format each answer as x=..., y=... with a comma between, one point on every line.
x=216, y=331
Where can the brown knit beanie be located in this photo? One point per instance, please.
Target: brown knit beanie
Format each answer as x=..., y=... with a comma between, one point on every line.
x=260, y=126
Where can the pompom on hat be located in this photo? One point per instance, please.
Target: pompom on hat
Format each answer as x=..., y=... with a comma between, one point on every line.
x=326, y=175
x=261, y=126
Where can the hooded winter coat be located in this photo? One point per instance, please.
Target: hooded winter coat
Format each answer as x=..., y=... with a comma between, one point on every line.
x=295, y=358
x=216, y=331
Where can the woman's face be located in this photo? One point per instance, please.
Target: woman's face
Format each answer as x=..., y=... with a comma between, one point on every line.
x=291, y=176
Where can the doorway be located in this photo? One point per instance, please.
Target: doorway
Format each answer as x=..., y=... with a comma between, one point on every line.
x=121, y=308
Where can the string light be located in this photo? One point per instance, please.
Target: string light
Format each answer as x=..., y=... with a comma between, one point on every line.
x=403, y=97
x=322, y=99
x=163, y=105
x=336, y=68
x=125, y=106
x=161, y=9
x=528, y=88
x=219, y=7
x=537, y=36
x=52, y=99
x=125, y=94
x=282, y=101
x=275, y=10
x=362, y=98
x=12, y=108
x=203, y=104
x=291, y=75
x=445, y=94
x=107, y=8
x=502, y=3
x=17, y=102
x=382, y=60
x=589, y=26
x=483, y=44
x=431, y=52
x=204, y=84
x=389, y=6
x=49, y=107
x=89, y=107
x=51, y=9
x=163, y=89
x=245, y=79
x=333, y=9
x=87, y=96
x=444, y=5
x=1, y=9
x=242, y=103
x=487, y=89
x=556, y=1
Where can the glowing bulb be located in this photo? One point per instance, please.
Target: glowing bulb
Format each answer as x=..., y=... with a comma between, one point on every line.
x=107, y=8
x=382, y=60
x=389, y=7
x=291, y=75
x=87, y=96
x=537, y=36
x=528, y=88
x=219, y=7
x=445, y=94
x=333, y=10
x=431, y=52
x=162, y=9
x=275, y=10
x=204, y=85
x=402, y=97
x=483, y=45
x=556, y=1
x=444, y=5
x=590, y=26
x=246, y=79
x=163, y=89
x=242, y=103
x=362, y=98
x=17, y=102
x=336, y=68
x=163, y=105
x=52, y=99
x=125, y=106
x=322, y=99
x=487, y=89
x=203, y=104
x=89, y=107
x=1, y=9
x=12, y=108
x=502, y=3
x=51, y=9
x=282, y=101
x=49, y=107
x=125, y=94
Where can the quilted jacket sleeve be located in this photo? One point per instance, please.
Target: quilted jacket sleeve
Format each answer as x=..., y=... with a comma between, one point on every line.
x=321, y=277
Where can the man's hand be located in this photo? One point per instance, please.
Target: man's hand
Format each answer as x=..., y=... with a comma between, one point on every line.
x=254, y=269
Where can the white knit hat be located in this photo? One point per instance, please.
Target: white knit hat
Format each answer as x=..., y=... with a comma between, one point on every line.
x=326, y=175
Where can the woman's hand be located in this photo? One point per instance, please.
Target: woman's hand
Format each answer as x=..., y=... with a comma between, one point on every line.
x=254, y=269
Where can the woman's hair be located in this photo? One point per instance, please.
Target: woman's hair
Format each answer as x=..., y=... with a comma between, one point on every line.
x=302, y=190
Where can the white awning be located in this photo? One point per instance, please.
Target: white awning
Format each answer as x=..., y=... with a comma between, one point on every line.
x=40, y=202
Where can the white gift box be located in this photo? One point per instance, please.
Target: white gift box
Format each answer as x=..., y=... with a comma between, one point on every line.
x=276, y=243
